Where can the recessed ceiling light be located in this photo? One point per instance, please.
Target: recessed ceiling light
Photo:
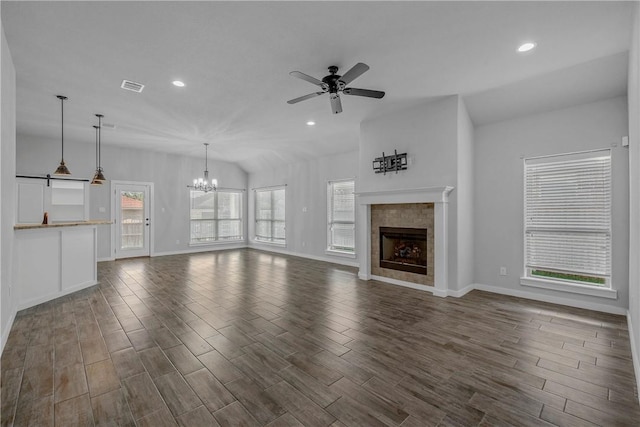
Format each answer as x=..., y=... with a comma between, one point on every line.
x=311, y=123
x=526, y=47
x=178, y=83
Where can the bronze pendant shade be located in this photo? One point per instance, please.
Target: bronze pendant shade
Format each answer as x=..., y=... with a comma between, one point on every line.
x=62, y=168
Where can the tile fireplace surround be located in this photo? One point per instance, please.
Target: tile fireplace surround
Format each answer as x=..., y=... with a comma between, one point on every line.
x=439, y=197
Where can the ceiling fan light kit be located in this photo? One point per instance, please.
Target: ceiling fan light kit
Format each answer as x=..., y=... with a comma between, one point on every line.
x=334, y=84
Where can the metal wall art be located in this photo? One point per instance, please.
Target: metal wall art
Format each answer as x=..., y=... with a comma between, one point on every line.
x=392, y=163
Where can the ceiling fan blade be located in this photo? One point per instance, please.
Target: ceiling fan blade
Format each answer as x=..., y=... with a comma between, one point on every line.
x=308, y=78
x=305, y=97
x=336, y=104
x=355, y=72
x=363, y=92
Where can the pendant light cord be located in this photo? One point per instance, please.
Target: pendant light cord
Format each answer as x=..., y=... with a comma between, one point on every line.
x=99, y=156
x=97, y=161
x=62, y=98
x=206, y=158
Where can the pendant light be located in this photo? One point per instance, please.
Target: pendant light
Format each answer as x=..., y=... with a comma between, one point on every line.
x=99, y=176
x=95, y=180
x=62, y=168
x=204, y=185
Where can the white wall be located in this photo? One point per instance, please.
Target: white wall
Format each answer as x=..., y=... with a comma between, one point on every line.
x=499, y=169
x=465, y=207
x=306, y=187
x=170, y=174
x=634, y=190
x=7, y=186
x=427, y=133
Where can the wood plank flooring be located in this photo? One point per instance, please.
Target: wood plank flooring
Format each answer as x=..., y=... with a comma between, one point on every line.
x=245, y=337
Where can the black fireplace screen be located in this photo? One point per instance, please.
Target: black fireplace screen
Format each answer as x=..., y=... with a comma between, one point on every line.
x=404, y=249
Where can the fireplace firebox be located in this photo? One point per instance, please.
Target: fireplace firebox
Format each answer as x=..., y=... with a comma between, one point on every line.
x=404, y=249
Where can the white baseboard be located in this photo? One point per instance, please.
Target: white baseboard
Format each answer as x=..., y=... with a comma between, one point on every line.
x=7, y=329
x=39, y=300
x=634, y=352
x=333, y=260
x=462, y=292
x=205, y=248
x=106, y=259
x=551, y=299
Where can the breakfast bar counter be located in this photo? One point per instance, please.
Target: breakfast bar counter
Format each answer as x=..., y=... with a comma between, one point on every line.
x=52, y=260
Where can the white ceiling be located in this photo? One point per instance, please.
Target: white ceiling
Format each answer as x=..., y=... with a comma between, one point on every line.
x=235, y=58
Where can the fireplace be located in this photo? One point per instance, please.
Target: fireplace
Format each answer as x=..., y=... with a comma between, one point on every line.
x=403, y=249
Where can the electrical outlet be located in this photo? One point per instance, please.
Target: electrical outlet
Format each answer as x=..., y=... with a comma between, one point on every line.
x=503, y=271
x=304, y=209
x=304, y=244
x=177, y=242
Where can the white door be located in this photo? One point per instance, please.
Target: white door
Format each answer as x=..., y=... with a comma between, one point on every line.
x=132, y=220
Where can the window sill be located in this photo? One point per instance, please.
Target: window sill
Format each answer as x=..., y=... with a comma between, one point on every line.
x=569, y=287
x=264, y=242
x=216, y=242
x=343, y=254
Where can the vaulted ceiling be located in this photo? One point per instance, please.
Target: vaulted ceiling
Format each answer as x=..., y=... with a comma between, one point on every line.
x=235, y=59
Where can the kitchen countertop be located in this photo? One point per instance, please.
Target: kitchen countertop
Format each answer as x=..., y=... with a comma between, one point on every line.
x=62, y=224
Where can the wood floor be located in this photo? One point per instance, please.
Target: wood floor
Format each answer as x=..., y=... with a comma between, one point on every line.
x=245, y=337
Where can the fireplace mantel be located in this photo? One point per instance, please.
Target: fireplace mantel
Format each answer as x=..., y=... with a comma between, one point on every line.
x=405, y=195
x=439, y=196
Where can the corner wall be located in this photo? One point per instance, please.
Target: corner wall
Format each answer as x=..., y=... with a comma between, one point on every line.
x=7, y=186
x=633, y=90
x=499, y=193
x=465, y=207
x=306, y=203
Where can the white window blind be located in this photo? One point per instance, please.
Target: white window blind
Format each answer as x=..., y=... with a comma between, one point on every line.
x=568, y=214
x=341, y=216
x=270, y=215
x=215, y=216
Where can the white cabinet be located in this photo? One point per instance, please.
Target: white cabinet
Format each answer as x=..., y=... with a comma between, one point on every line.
x=63, y=200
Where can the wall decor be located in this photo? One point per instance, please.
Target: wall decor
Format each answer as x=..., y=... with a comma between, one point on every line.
x=392, y=163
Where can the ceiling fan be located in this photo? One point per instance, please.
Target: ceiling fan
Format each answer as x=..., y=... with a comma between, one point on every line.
x=335, y=83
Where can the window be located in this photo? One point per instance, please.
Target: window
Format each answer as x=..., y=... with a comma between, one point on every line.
x=341, y=230
x=568, y=218
x=270, y=216
x=216, y=216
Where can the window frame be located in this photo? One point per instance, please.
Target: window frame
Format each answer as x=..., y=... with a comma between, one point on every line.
x=330, y=248
x=217, y=220
x=272, y=221
x=562, y=284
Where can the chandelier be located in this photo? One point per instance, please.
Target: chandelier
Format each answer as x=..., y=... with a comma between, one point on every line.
x=203, y=184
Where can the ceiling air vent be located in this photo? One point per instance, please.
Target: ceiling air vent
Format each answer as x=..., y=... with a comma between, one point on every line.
x=132, y=86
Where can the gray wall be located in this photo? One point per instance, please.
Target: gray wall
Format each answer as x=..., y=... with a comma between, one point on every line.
x=427, y=133
x=465, y=207
x=499, y=169
x=306, y=188
x=170, y=174
x=634, y=189
x=7, y=185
